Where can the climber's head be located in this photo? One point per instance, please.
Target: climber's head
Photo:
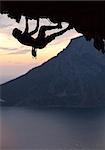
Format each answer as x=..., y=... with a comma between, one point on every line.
x=16, y=33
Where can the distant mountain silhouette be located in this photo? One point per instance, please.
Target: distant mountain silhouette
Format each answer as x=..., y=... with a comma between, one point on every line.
x=74, y=78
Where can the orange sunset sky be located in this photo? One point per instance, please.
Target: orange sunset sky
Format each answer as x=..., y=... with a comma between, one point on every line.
x=15, y=58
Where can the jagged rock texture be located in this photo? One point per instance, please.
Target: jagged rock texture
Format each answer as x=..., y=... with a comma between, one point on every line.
x=87, y=18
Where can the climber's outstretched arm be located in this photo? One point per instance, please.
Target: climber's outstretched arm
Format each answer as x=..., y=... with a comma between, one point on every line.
x=36, y=29
x=54, y=35
x=27, y=28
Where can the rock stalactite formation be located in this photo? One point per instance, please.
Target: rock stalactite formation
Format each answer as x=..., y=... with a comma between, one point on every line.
x=87, y=18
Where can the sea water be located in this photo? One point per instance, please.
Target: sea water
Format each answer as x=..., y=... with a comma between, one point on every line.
x=52, y=129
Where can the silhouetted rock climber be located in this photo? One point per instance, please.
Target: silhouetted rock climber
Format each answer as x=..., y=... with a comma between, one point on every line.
x=41, y=41
x=26, y=37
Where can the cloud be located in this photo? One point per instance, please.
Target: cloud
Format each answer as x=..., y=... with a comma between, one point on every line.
x=24, y=51
x=5, y=22
x=8, y=49
x=12, y=51
x=2, y=25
